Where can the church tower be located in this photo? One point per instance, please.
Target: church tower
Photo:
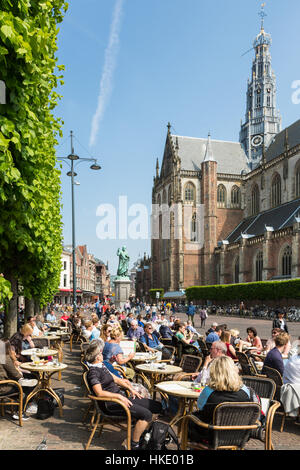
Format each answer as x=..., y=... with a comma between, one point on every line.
x=262, y=121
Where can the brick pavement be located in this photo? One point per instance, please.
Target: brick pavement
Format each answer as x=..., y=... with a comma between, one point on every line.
x=69, y=433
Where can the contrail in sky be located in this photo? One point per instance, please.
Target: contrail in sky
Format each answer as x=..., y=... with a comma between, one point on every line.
x=110, y=62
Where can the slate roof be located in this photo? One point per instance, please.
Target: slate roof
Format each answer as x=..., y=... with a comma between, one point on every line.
x=230, y=156
x=279, y=217
x=277, y=146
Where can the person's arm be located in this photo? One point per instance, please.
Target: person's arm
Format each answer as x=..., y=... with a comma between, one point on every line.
x=124, y=383
x=121, y=359
x=232, y=350
x=12, y=372
x=99, y=392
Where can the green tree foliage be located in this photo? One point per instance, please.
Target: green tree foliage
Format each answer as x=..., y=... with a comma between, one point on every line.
x=30, y=208
x=266, y=290
x=5, y=290
x=152, y=293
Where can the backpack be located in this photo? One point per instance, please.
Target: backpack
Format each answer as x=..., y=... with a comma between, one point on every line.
x=45, y=408
x=157, y=436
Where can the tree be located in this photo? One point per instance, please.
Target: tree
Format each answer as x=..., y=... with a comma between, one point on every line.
x=30, y=215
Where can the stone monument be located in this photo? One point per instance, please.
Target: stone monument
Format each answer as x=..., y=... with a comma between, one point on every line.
x=122, y=281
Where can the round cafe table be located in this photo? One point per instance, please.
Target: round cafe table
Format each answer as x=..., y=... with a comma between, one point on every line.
x=44, y=380
x=157, y=372
x=143, y=356
x=39, y=352
x=55, y=340
x=185, y=394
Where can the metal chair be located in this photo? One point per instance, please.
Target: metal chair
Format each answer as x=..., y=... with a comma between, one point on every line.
x=231, y=427
x=12, y=398
x=103, y=417
x=264, y=388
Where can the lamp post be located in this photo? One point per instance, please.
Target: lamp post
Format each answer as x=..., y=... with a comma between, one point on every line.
x=70, y=160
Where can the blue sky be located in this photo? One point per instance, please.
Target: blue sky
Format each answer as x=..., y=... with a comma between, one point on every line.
x=177, y=60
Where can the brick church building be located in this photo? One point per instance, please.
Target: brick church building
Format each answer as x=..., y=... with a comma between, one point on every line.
x=228, y=212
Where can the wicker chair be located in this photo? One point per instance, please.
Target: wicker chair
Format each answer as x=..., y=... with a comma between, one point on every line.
x=277, y=378
x=166, y=341
x=183, y=348
x=102, y=417
x=168, y=354
x=41, y=342
x=231, y=427
x=205, y=347
x=13, y=398
x=264, y=388
x=245, y=364
x=190, y=365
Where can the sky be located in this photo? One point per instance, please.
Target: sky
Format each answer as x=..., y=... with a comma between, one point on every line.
x=132, y=66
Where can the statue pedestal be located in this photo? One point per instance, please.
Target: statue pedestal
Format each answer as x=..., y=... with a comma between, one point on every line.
x=122, y=292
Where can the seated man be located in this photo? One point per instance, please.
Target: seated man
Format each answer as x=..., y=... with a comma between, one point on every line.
x=135, y=331
x=218, y=348
x=106, y=385
x=50, y=317
x=150, y=339
x=274, y=357
x=214, y=335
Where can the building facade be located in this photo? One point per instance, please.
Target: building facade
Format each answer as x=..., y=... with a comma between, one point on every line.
x=228, y=212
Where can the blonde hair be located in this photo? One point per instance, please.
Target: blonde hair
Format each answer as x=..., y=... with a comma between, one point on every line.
x=234, y=332
x=225, y=336
x=26, y=330
x=116, y=333
x=88, y=323
x=104, y=335
x=282, y=339
x=224, y=375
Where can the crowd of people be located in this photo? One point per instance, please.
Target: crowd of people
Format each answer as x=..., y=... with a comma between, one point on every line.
x=104, y=327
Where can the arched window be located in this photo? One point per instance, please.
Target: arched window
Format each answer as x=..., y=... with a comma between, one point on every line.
x=221, y=196
x=237, y=270
x=170, y=193
x=286, y=262
x=190, y=192
x=235, y=197
x=276, y=191
x=255, y=200
x=194, y=228
x=164, y=198
x=259, y=266
x=297, y=182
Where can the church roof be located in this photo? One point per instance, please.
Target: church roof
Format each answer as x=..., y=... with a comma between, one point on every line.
x=279, y=217
x=229, y=156
x=277, y=146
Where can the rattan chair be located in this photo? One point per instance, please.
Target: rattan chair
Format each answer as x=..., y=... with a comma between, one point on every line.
x=231, y=427
x=166, y=341
x=190, y=365
x=168, y=354
x=101, y=416
x=205, y=347
x=264, y=388
x=183, y=348
x=275, y=375
x=245, y=364
x=13, y=398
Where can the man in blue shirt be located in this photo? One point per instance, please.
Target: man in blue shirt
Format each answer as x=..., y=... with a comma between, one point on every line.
x=150, y=339
x=214, y=335
x=191, y=312
x=274, y=357
x=135, y=331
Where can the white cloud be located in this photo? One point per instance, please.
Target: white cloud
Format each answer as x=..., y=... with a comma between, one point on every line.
x=110, y=62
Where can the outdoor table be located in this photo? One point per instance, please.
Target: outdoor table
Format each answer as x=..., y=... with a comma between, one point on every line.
x=184, y=392
x=54, y=339
x=44, y=379
x=39, y=352
x=157, y=372
x=143, y=356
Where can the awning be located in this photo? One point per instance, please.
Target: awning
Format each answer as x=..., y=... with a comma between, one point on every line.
x=69, y=290
x=174, y=295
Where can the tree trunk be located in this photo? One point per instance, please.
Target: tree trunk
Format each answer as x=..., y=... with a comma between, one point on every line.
x=37, y=307
x=11, y=315
x=29, y=308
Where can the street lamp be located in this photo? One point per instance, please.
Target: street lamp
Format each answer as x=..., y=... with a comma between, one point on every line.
x=70, y=159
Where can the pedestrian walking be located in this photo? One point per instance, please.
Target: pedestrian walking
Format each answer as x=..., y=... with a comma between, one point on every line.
x=191, y=312
x=203, y=317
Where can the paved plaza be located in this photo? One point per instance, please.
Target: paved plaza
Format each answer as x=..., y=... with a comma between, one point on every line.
x=70, y=433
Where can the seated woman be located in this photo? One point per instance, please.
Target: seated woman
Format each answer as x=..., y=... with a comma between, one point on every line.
x=10, y=370
x=112, y=351
x=21, y=341
x=64, y=319
x=182, y=334
x=106, y=385
x=224, y=385
x=105, y=332
x=226, y=339
x=87, y=329
x=252, y=340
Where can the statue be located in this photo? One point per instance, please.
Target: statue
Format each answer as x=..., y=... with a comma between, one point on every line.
x=123, y=262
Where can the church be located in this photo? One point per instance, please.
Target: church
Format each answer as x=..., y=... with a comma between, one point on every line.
x=229, y=212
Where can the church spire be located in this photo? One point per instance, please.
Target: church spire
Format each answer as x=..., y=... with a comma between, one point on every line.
x=208, y=157
x=262, y=121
